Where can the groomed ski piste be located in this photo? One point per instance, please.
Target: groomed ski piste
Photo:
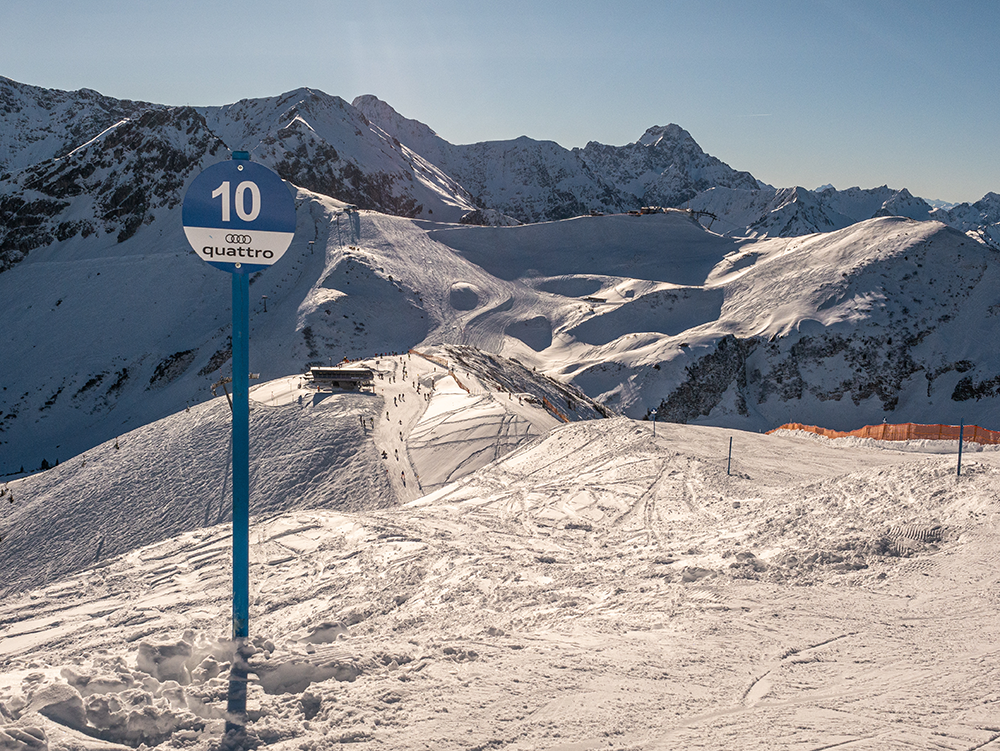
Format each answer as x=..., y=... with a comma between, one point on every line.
x=509, y=580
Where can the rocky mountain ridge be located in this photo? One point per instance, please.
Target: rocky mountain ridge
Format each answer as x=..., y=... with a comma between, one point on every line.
x=111, y=185
x=367, y=154
x=40, y=124
x=542, y=181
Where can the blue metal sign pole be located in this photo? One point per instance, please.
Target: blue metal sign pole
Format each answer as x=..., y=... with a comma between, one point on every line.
x=241, y=456
x=236, y=704
x=252, y=240
x=961, y=432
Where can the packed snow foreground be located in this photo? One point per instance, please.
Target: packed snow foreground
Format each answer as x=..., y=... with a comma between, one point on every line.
x=445, y=564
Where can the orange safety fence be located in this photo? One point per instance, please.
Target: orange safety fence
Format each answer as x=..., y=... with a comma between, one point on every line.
x=906, y=431
x=551, y=408
x=444, y=364
x=431, y=358
x=461, y=385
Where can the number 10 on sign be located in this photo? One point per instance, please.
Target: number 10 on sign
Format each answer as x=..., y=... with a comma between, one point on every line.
x=247, y=216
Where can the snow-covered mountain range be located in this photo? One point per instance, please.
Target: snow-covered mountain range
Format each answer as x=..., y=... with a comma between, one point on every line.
x=788, y=212
x=479, y=552
x=833, y=307
x=540, y=180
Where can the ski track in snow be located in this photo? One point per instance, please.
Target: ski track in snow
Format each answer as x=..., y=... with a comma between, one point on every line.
x=594, y=588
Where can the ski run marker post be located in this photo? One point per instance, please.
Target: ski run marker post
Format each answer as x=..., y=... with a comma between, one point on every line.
x=239, y=217
x=961, y=430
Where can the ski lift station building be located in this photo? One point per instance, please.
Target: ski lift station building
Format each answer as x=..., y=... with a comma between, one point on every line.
x=345, y=379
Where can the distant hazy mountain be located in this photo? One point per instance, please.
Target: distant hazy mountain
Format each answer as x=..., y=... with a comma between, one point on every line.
x=980, y=219
x=541, y=181
x=787, y=212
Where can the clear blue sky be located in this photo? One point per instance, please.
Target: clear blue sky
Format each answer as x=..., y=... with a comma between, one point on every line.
x=849, y=92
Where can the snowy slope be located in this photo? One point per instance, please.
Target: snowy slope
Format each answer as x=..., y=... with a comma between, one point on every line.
x=598, y=588
x=878, y=320
x=110, y=335
x=431, y=420
x=889, y=318
x=881, y=321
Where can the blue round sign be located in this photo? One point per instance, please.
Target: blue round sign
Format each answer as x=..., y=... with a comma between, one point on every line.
x=239, y=216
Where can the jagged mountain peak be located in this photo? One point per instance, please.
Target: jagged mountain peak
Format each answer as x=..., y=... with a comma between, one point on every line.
x=904, y=203
x=655, y=135
x=304, y=93
x=990, y=201
x=324, y=144
x=370, y=100
x=314, y=101
x=245, y=123
x=384, y=116
x=665, y=167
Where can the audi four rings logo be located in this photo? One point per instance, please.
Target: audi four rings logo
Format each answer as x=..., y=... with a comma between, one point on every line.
x=239, y=239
